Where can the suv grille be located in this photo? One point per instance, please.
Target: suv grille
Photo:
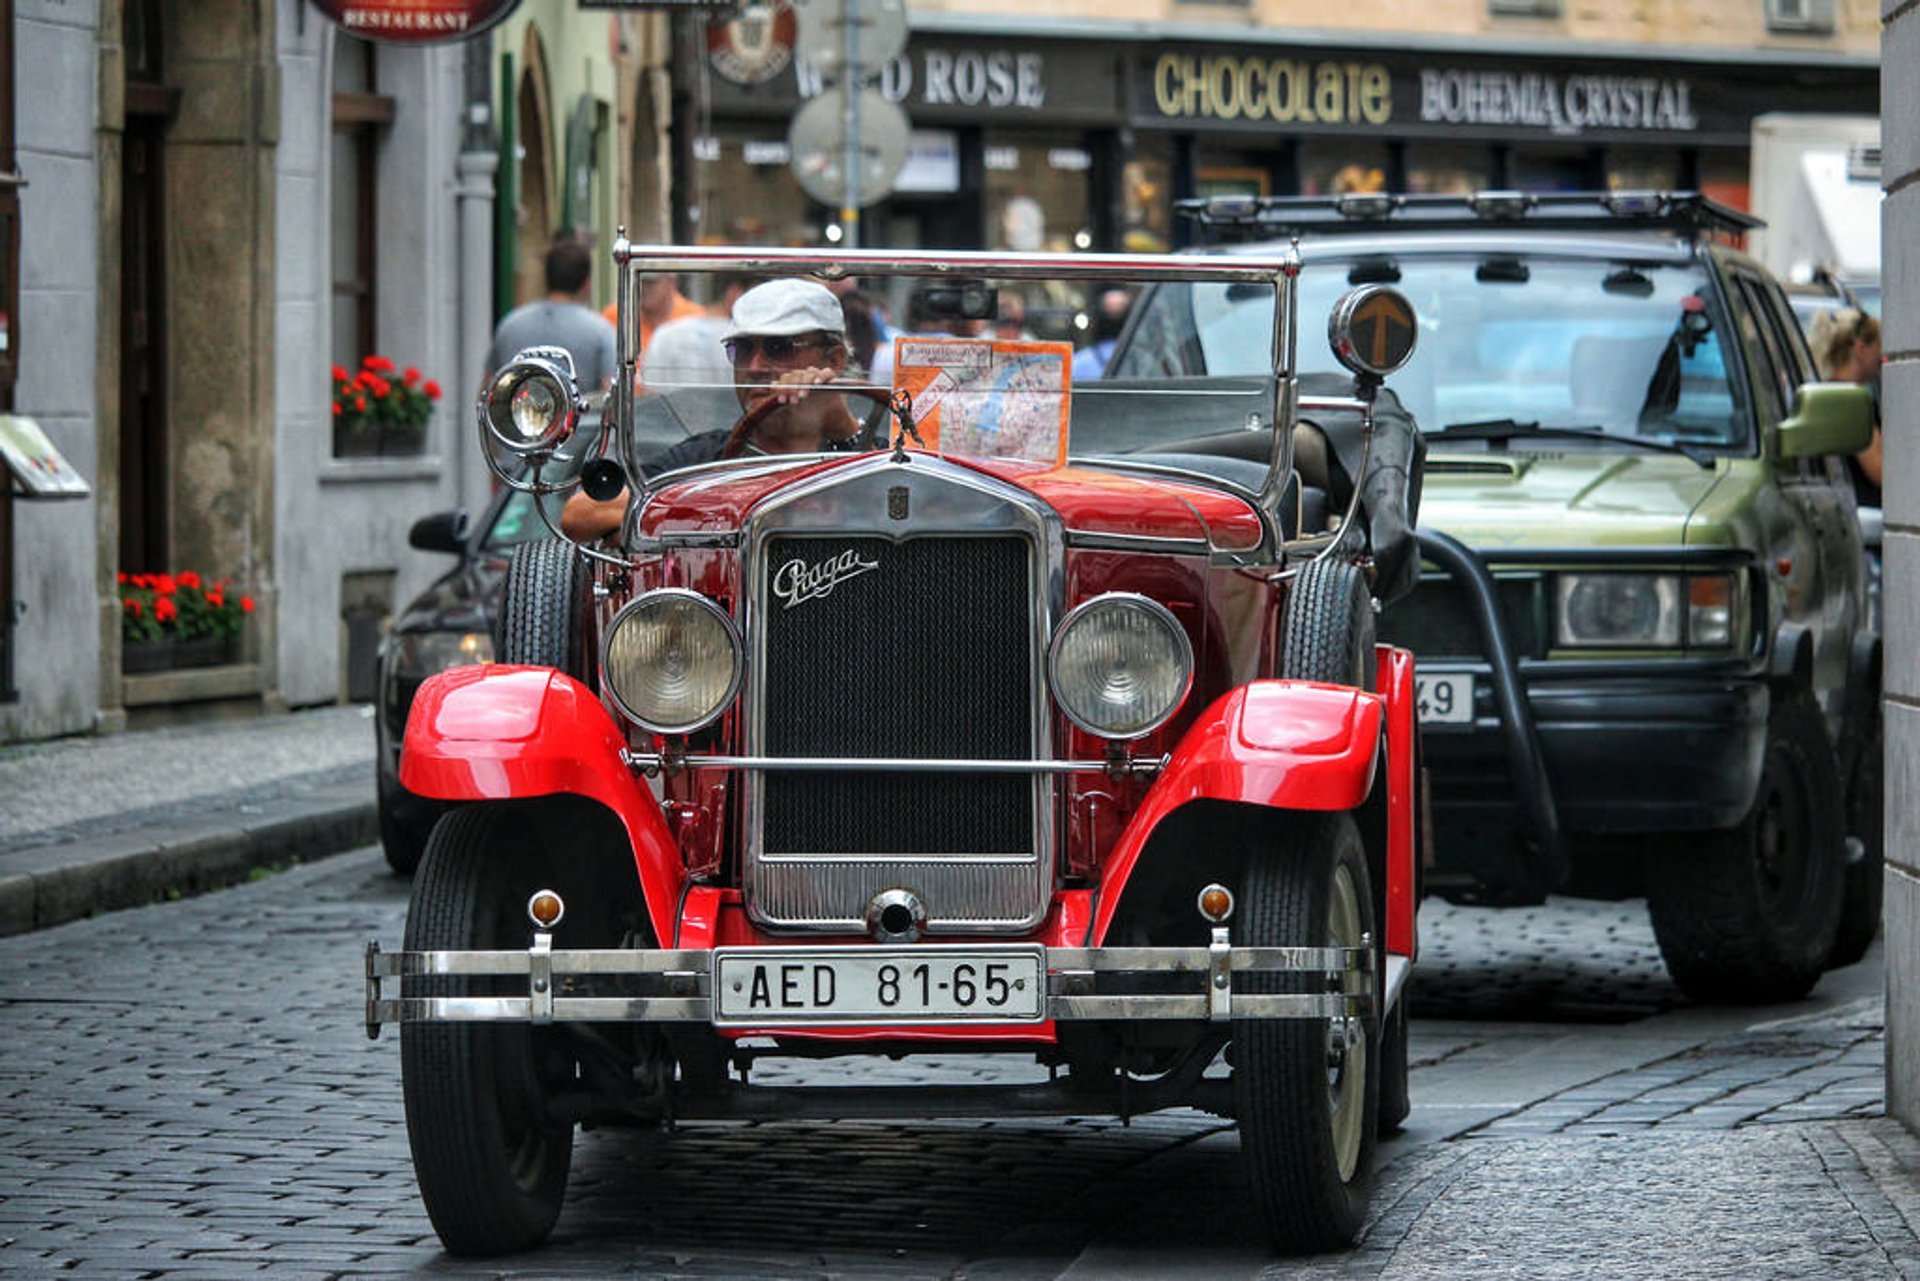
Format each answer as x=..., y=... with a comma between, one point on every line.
x=1437, y=619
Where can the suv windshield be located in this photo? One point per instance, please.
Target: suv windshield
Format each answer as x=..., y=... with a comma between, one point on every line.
x=1627, y=349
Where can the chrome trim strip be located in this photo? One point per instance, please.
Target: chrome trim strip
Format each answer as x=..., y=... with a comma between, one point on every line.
x=651, y=762
x=1140, y=543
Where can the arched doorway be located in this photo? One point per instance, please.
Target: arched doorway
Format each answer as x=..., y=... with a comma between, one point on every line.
x=534, y=216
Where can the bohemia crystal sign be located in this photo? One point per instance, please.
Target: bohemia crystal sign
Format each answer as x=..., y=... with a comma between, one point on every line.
x=415, y=21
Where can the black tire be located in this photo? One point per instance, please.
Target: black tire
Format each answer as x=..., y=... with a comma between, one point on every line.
x=1330, y=637
x=1751, y=914
x=491, y=1165
x=1305, y=1093
x=541, y=607
x=1861, y=901
x=1396, y=1094
x=403, y=840
x=1329, y=629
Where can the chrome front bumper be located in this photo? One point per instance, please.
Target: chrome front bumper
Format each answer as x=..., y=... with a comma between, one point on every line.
x=678, y=985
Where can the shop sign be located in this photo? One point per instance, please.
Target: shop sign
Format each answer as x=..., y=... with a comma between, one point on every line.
x=414, y=21
x=1231, y=90
x=992, y=78
x=1559, y=104
x=754, y=46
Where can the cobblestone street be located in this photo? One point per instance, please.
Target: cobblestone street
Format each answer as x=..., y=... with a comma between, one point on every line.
x=187, y=1090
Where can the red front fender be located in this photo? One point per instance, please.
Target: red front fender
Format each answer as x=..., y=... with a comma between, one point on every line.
x=505, y=733
x=1292, y=745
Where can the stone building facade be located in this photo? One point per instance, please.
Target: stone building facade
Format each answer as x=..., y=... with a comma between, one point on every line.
x=1900, y=167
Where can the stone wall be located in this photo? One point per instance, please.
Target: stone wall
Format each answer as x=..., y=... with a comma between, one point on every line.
x=1900, y=109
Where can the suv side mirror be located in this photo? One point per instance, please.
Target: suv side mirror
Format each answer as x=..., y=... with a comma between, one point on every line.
x=1828, y=418
x=440, y=532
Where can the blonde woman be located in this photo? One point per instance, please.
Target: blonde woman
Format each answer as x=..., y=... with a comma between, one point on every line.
x=1846, y=348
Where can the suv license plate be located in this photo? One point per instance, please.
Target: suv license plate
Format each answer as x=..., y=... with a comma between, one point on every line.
x=1444, y=698
x=764, y=986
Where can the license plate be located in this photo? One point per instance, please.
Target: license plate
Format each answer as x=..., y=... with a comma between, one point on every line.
x=764, y=986
x=1444, y=698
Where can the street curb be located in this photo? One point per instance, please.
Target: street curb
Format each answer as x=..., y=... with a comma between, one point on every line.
x=55, y=884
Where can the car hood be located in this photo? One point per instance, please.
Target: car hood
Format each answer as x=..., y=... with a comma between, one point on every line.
x=1571, y=499
x=465, y=599
x=1090, y=503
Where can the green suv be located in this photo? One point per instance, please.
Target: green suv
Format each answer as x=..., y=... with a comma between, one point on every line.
x=1644, y=662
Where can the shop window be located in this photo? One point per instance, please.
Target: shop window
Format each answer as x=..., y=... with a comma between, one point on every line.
x=748, y=194
x=1638, y=169
x=1039, y=198
x=1337, y=166
x=1800, y=17
x=1147, y=199
x=1443, y=169
x=361, y=117
x=1549, y=168
x=1524, y=8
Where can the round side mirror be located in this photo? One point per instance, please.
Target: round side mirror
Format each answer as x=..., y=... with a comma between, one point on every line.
x=1372, y=330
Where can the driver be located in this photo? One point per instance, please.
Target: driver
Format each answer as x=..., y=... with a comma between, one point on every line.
x=787, y=337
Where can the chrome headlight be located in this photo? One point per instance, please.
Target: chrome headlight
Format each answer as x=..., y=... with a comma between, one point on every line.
x=424, y=653
x=531, y=407
x=1646, y=611
x=1120, y=665
x=672, y=660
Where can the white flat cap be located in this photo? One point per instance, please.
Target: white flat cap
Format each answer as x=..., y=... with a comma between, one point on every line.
x=785, y=307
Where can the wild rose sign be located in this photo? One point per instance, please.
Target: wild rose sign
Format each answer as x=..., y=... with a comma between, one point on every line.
x=415, y=21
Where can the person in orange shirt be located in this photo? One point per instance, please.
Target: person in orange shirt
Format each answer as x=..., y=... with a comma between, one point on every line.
x=660, y=301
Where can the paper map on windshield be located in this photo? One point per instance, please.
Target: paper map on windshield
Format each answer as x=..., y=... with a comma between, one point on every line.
x=986, y=397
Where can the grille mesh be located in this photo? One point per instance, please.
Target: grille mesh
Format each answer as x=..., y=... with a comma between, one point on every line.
x=925, y=657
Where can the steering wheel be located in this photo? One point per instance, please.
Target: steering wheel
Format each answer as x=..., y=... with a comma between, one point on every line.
x=864, y=438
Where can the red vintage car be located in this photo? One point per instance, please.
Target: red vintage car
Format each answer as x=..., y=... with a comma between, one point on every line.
x=1037, y=718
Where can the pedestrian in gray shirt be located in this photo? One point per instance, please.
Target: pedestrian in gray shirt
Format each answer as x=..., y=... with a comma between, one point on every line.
x=561, y=319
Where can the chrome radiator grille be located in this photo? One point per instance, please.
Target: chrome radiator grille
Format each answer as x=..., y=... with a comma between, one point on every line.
x=918, y=649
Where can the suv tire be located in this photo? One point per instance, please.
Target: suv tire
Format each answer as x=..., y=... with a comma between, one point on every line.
x=1867, y=821
x=1751, y=918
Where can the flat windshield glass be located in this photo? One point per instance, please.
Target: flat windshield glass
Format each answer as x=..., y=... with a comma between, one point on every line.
x=991, y=368
x=1626, y=349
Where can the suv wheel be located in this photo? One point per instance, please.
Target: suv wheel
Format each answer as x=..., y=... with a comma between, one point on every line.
x=1306, y=1091
x=1866, y=821
x=1751, y=917
x=490, y=1159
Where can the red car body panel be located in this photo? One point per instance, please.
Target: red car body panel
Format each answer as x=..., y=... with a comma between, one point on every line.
x=1285, y=744
x=1395, y=679
x=491, y=733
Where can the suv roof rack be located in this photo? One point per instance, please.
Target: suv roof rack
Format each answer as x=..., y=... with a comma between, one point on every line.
x=1687, y=212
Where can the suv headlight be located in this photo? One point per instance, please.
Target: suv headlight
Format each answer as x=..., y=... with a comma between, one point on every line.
x=1120, y=665
x=672, y=660
x=1645, y=611
x=422, y=654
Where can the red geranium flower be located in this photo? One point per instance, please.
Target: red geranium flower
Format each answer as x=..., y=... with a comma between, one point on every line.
x=165, y=610
x=188, y=578
x=165, y=585
x=246, y=604
x=432, y=389
x=410, y=376
x=133, y=606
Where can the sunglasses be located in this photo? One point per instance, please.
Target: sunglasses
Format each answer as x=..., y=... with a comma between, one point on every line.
x=779, y=349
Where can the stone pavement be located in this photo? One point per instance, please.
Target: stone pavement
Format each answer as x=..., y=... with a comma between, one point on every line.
x=99, y=823
x=1692, y=1142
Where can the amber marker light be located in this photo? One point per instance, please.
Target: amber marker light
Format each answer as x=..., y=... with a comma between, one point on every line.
x=546, y=909
x=1216, y=903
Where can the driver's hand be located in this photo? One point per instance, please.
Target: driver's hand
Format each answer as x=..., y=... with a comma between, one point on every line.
x=793, y=386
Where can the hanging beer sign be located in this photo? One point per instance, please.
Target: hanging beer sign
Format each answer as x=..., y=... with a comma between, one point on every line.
x=754, y=45
x=414, y=21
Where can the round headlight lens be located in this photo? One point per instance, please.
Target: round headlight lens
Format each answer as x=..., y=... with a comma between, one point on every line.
x=529, y=407
x=1120, y=665
x=672, y=661
x=1619, y=609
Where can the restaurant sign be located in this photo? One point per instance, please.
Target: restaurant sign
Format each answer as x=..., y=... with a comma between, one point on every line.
x=414, y=21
